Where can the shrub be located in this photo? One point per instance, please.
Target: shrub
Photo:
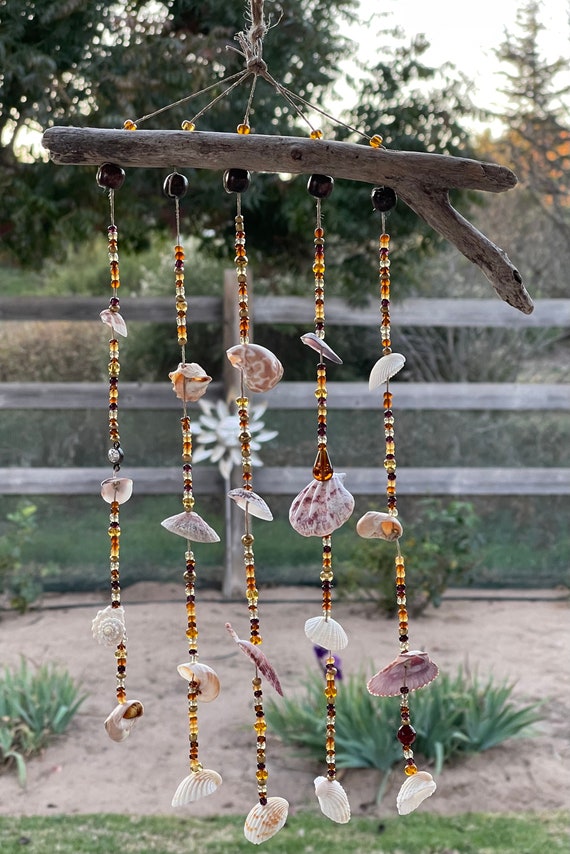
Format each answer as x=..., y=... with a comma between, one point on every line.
x=21, y=583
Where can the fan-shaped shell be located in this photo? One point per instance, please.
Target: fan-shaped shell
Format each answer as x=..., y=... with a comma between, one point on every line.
x=252, y=502
x=116, y=489
x=333, y=800
x=198, y=784
x=385, y=368
x=414, y=790
x=321, y=507
x=206, y=677
x=413, y=669
x=265, y=820
x=261, y=368
x=382, y=526
x=259, y=659
x=189, y=381
x=191, y=526
x=326, y=632
x=122, y=719
x=311, y=339
x=108, y=626
x=115, y=321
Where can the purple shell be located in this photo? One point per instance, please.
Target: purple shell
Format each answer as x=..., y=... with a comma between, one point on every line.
x=259, y=659
x=413, y=669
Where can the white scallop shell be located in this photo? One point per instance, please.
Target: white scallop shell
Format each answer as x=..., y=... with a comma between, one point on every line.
x=414, y=669
x=115, y=321
x=385, y=368
x=265, y=820
x=326, y=632
x=311, y=339
x=198, y=784
x=116, y=489
x=251, y=502
x=189, y=381
x=206, y=677
x=414, y=790
x=321, y=507
x=261, y=368
x=108, y=626
x=259, y=659
x=382, y=526
x=191, y=526
x=333, y=800
x=122, y=719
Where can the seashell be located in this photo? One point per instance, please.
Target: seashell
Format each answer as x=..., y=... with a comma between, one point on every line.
x=333, y=800
x=318, y=344
x=252, y=503
x=382, y=526
x=206, y=677
x=261, y=368
x=191, y=526
x=265, y=820
x=259, y=659
x=413, y=669
x=189, y=381
x=385, y=368
x=321, y=507
x=414, y=790
x=115, y=321
x=326, y=632
x=116, y=489
x=198, y=784
x=108, y=626
x=122, y=719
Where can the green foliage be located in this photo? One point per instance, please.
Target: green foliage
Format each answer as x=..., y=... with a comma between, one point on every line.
x=35, y=706
x=20, y=582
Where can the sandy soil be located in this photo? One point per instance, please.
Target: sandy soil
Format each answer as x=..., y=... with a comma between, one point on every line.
x=84, y=772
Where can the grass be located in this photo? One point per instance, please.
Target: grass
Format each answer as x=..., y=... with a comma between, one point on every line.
x=306, y=833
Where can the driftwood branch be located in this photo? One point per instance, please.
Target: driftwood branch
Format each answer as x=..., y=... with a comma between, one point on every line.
x=421, y=180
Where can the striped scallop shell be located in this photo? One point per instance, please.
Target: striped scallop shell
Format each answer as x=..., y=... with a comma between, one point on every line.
x=414, y=790
x=191, y=526
x=115, y=321
x=333, y=800
x=265, y=820
x=259, y=659
x=108, y=626
x=321, y=507
x=198, y=784
x=189, y=381
x=116, y=489
x=261, y=368
x=204, y=676
x=382, y=526
x=251, y=502
x=326, y=632
x=413, y=669
x=311, y=339
x=385, y=368
x=122, y=719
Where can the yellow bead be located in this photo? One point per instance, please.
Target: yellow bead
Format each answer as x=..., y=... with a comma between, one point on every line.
x=129, y=125
x=243, y=129
x=410, y=770
x=190, y=126
x=316, y=134
x=376, y=141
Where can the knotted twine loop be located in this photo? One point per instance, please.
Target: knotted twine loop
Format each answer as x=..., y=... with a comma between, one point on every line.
x=251, y=40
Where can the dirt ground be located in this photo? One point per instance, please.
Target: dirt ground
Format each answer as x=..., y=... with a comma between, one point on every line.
x=520, y=639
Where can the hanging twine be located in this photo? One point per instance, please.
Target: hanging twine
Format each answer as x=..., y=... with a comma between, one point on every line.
x=251, y=40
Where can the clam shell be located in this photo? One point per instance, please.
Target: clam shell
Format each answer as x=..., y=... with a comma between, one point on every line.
x=198, y=784
x=191, y=526
x=206, y=677
x=189, y=381
x=385, y=368
x=261, y=368
x=108, y=626
x=122, y=719
x=312, y=340
x=327, y=633
x=115, y=321
x=382, y=526
x=116, y=489
x=414, y=790
x=259, y=659
x=252, y=503
x=321, y=507
x=413, y=669
x=265, y=820
x=333, y=800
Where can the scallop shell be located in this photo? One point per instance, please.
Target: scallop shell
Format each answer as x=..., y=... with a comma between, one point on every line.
x=312, y=340
x=414, y=790
x=321, y=507
x=259, y=659
x=252, y=503
x=385, y=368
x=116, y=489
x=206, y=677
x=413, y=669
x=122, y=719
x=327, y=633
x=115, y=321
x=261, y=368
x=382, y=526
x=189, y=381
x=265, y=820
x=198, y=784
x=333, y=800
x=191, y=526
x=108, y=626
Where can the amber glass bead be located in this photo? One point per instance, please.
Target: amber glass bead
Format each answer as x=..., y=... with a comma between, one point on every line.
x=243, y=129
x=320, y=186
x=316, y=134
x=175, y=186
x=110, y=176
x=322, y=468
x=409, y=770
x=188, y=125
x=383, y=199
x=375, y=141
x=129, y=125
x=236, y=180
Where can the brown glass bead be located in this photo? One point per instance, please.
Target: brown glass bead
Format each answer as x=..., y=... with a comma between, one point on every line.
x=236, y=180
x=175, y=185
x=320, y=186
x=406, y=735
x=110, y=176
x=383, y=199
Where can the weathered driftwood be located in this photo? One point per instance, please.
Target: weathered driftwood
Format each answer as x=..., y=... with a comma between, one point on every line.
x=421, y=180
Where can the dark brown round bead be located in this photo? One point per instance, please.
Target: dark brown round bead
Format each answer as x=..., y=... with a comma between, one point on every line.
x=320, y=186
x=110, y=176
x=406, y=735
x=175, y=186
x=383, y=199
x=236, y=180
